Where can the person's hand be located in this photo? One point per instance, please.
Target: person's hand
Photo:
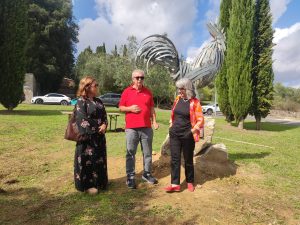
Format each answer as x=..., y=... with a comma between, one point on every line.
x=193, y=130
x=135, y=109
x=102, y=128
x=155, y=125
x=170, y=125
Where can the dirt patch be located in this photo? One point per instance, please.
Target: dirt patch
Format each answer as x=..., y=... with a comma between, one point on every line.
x=226, y=200
x=234, y=198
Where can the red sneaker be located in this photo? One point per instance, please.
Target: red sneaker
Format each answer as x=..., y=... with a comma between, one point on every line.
x=172, y=188
x=190, y=187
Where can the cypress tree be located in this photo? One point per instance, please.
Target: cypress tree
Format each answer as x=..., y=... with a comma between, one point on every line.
x=221, y=79
x=125, y=54
x=104, y=48
x=239, y=58
x=262, y=72
x=13, y=29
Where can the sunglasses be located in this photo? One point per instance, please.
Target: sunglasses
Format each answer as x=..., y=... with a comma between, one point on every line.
x=139, y=78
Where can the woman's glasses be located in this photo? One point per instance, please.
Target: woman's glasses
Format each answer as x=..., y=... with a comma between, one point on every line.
x=95, y=85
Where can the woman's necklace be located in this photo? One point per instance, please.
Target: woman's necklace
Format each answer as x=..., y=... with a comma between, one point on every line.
x=185, y=100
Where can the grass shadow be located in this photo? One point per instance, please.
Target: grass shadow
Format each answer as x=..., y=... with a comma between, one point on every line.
x=31, y=112
x=239, y=156
x=267, y=126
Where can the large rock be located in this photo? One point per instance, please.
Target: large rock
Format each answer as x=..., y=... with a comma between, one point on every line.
x=209, y=127
x=210, y=164
x=213, y=162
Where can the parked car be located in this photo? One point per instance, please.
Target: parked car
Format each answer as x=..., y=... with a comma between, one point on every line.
x=110, y=99
x=210, y=109
x=51, y=98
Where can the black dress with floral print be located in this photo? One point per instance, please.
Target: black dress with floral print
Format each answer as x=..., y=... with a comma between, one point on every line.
x=90, y=163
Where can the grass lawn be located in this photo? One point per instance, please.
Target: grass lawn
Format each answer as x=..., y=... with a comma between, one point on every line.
x=36, y=178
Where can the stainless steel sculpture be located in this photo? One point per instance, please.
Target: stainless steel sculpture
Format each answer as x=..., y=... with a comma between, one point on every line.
x=158, y=49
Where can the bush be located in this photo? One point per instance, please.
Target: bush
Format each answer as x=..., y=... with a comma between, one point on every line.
x=286, y=105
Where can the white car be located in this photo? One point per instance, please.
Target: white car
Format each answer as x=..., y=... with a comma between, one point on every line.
x=51, y=98
x=210, y=109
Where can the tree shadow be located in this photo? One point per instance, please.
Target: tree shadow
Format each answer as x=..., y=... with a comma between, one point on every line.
x=267, y=126
x=36, y=206
x=31, y=112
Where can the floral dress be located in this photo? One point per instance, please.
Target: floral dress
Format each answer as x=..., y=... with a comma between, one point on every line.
x=90, y=162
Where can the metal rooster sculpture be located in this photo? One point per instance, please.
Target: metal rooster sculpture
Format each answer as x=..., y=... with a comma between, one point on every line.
x=158, y=49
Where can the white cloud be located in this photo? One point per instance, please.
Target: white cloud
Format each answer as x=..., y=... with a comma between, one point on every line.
x=278, y=8
x=119, y=19
x=285, y=32
x=213, y=13
x=287, y=55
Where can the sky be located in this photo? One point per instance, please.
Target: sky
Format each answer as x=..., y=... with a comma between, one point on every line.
x=112, y=21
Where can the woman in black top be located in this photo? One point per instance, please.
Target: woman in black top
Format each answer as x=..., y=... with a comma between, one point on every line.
x=90, y=162
x=186, y=121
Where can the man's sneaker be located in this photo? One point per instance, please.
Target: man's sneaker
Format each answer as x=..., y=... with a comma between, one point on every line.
x=149, y=178
x=131, y=183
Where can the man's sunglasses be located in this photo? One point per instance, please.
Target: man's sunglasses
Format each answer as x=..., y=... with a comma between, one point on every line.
x=139, y=78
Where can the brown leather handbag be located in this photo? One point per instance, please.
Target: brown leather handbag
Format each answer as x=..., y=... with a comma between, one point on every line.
x=72, y=131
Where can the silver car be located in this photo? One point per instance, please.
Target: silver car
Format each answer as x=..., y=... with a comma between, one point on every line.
x=51, y=98
x=110, y=99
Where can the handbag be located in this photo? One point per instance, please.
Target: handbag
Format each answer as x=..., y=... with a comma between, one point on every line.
x=72, y=131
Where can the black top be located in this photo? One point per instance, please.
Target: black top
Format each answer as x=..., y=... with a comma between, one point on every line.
x=181, y=124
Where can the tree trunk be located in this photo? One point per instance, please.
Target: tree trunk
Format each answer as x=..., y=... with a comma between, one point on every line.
x=258, y=122
x=241, y=124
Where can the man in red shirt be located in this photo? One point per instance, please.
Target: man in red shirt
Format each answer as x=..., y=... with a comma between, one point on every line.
x=137, y=102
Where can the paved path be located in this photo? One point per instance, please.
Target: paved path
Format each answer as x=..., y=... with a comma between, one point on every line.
x=287, y=121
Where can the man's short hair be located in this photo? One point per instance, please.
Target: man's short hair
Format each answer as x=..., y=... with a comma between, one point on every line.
x=137, y=71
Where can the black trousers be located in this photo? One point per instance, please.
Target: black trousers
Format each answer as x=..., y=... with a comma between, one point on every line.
x=182, y=143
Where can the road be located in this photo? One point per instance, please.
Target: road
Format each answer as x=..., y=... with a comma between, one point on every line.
x=287, y=121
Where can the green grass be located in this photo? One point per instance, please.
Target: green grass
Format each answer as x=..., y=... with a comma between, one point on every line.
x=35, y=155
x=280, y=162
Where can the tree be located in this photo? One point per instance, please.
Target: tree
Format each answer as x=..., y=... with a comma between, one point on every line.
x=125, y=51
x=13, y=36
x=82, y=60
x=221, y=79
x=115, y=51
x=161, y=84
x=101, y=49
x=51, y=43
x=239, y=59
x=132, y=47
x=262, y=72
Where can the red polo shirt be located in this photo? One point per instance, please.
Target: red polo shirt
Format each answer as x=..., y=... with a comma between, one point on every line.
x=144, y=99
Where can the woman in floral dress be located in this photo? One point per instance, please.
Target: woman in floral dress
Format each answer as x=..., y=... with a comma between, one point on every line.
x=90, y=162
